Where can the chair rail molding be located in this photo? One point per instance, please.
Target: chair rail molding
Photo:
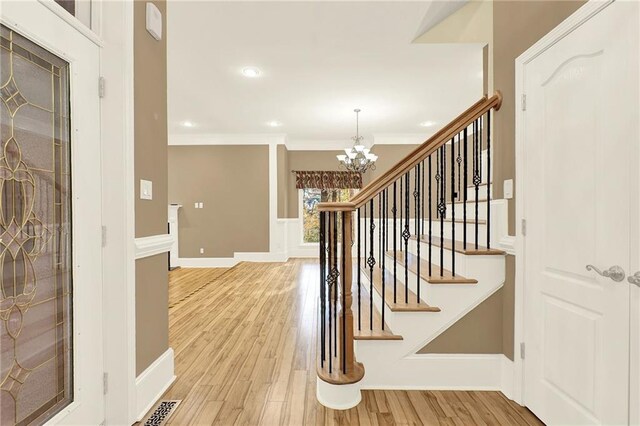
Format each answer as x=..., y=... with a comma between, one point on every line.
x=153, y=245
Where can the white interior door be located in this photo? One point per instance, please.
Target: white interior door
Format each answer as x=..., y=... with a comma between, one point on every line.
x=50, y=220
x=580, y=159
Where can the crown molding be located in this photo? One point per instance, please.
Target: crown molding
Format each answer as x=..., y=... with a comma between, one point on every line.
x=184, y=139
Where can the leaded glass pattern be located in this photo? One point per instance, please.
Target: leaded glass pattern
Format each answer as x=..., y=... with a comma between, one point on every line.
x=35, y=233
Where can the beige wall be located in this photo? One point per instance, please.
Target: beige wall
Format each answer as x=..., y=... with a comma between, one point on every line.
x=517, y=25
x=478, y=332
x=150, y=123
x=233, y=183
x=152, y=310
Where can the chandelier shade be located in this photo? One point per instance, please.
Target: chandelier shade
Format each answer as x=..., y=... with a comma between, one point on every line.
x=358, y=158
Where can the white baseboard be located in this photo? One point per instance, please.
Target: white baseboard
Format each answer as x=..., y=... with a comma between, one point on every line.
x=153, y=382
x=228, y=262
x=507, y=379
x=207, y=262
x=260, y=257
x=442, y=372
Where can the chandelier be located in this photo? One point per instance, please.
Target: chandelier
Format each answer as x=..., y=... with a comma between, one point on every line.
x=357, y=158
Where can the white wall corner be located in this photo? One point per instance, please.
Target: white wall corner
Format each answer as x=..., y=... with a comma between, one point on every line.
x=153, y=382
x=153, y=245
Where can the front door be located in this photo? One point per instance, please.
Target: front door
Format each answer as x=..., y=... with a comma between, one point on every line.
x=580, y=146
x=50, y=247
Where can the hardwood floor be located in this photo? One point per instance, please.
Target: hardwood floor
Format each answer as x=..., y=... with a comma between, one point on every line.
x=244, y=342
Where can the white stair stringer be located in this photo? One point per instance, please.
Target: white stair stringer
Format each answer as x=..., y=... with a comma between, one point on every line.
x=395, y=365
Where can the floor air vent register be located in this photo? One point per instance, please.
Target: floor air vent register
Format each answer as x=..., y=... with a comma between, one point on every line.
x=161, y=413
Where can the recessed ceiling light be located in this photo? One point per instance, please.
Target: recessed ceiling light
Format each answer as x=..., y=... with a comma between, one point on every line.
x=251, y=72
x=187, y=123
x=428, y=123
x=274, y=124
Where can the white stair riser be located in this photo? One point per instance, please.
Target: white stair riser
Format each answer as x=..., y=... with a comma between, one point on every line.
x=471, y=232
x=471, y=210
x=482, y=192
x=435, y=256
x=481, y=268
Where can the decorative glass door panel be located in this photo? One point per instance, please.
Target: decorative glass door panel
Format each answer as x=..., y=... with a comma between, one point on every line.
x=35, y=233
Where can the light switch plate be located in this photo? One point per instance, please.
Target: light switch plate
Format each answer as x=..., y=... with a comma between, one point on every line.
x=146, y=189
x=508, y=189
x=154, y=21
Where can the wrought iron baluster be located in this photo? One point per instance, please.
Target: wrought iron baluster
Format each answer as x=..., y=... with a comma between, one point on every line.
x=338, y=278
x=489, y=179
x=371, y=262
x=464, y=198
x=476, y=174
x=406, y=234
x=459, y=162
x=331, y=280
x=430, y=214
x=416, y=196
x=395, y=243
x=438, y=167
x=323, y=283
x=359, y=274
x=379, y=229
x=386, y=217
x=442, y=208
x=383, y=230
x=346, y=247
x=453, y=211
x=401, y=209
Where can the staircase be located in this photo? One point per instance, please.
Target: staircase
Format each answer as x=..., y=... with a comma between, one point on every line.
x=411, y=254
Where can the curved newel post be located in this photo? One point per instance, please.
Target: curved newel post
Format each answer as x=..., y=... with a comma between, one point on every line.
x=337, y=369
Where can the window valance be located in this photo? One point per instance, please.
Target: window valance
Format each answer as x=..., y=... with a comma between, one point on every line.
x=328, y=180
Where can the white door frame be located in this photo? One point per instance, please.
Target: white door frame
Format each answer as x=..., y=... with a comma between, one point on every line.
x=81, y=49
x=116, y=31
x=582, y=15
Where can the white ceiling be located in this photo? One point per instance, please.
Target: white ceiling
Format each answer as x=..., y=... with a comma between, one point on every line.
x=319, y=61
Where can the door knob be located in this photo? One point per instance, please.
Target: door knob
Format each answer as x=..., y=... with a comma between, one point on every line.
x=634, y=279
x=616, y=273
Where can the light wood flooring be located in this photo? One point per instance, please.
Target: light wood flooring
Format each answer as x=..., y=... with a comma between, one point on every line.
x=244, y=342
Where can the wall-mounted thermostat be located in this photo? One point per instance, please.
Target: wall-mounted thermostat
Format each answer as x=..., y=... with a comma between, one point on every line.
x=154, y=21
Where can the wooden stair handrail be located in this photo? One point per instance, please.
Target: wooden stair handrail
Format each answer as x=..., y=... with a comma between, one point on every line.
x=441, y=137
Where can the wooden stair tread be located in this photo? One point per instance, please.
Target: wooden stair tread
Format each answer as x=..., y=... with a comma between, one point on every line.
x=459, y=246
x=435, y=278
x=365, y=333
x=400, y=305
